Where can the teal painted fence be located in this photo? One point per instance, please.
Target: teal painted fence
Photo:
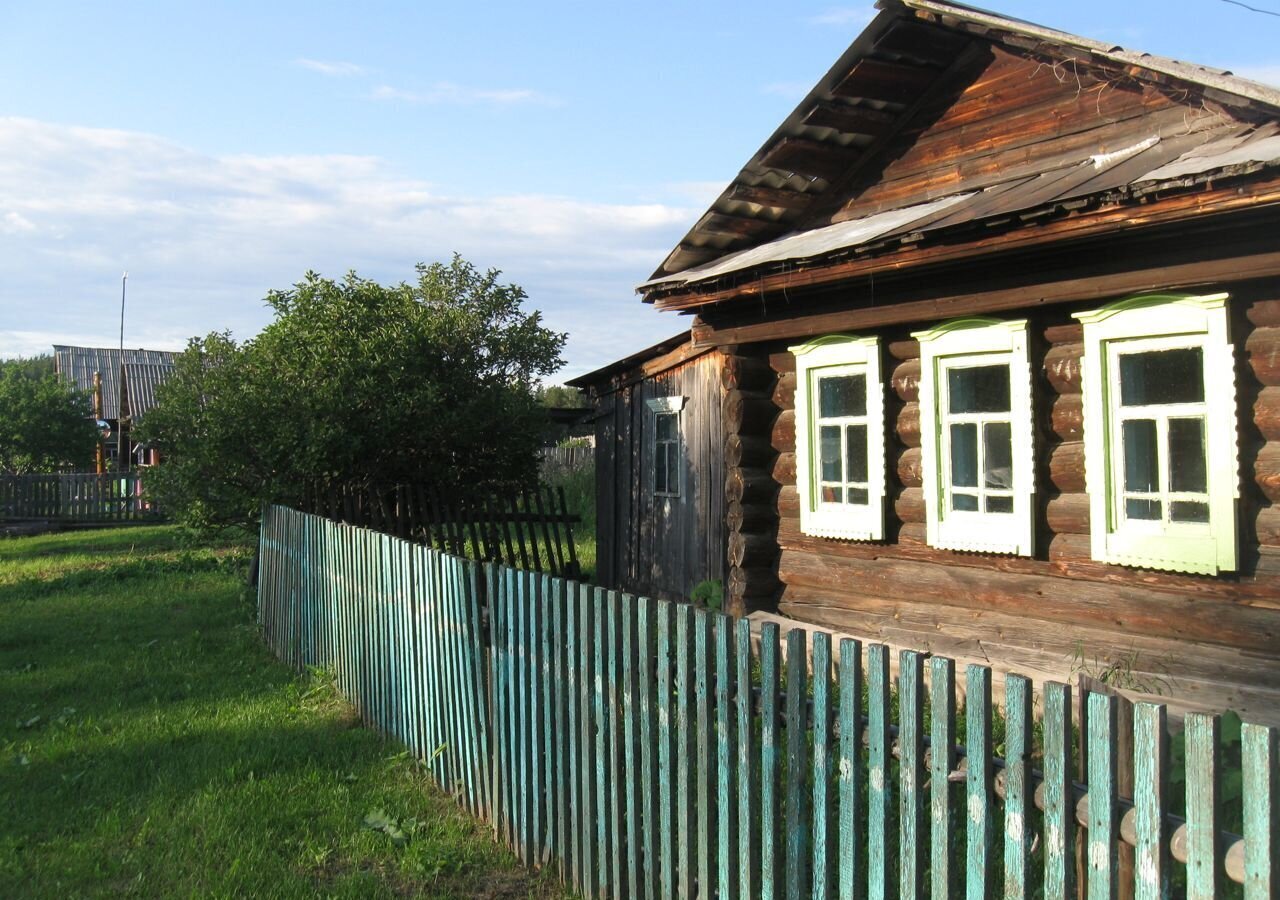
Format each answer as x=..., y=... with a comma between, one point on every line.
x=648, y=749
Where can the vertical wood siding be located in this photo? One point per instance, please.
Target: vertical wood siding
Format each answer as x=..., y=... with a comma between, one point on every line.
x=635, y=747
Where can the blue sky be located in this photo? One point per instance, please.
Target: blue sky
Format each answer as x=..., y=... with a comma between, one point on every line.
x=219, y=150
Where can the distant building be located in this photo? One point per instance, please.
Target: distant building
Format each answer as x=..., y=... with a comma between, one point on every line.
x=129, y=385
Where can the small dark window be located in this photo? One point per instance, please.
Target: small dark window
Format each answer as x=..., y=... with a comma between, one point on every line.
x=666, y=454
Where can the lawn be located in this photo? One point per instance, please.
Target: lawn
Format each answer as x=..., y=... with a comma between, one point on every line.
x=151, y=746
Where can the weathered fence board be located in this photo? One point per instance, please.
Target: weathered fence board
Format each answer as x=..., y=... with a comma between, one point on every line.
x=76, y=497
x=644, y=748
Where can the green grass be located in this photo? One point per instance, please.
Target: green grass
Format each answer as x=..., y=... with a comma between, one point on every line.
x=580, y=497
x=150, y=745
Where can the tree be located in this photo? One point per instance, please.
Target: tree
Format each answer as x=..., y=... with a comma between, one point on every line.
x=45, y=425
x=360, y=384
x=561, y=396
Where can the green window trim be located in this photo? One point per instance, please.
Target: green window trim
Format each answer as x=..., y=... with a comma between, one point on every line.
x=1198, y=327
x=848, y=358
x=997, y=512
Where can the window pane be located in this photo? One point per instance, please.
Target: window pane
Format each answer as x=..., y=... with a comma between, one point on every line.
x=997, y=455
x=964, y=502
x=1186, y=456
x=673, y=468
x=666, y=426
x=1188, y=511
x=964, y=455
x=860, y=496
x=1142, y=509
x=999, y=504
x=660, y=470
x=1140, y=464
x=1162, y=376
x=832, y=494
x=978, y=389
x=845, y=395
x=829, y=452
x=856, y=452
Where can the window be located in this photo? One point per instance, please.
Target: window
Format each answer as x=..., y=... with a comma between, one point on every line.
x=976, y=436
x=1160, y=445
x=667, y=462
x=840, y=470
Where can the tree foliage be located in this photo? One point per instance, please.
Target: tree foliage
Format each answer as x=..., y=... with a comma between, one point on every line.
x=45, y=425
x=561, y=396
x=356, y=383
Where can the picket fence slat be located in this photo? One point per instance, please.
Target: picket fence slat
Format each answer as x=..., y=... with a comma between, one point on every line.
x=642, y=748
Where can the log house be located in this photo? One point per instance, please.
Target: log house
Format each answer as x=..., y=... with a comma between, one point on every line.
x=996, y=320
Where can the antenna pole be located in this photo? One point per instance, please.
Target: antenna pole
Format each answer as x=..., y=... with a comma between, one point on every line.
x=122, y=462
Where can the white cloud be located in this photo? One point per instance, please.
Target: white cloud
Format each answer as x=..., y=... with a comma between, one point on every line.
x=205, y=237
x=843, y=16
x=448, y=92
x=332, y=69
x=1267, y=74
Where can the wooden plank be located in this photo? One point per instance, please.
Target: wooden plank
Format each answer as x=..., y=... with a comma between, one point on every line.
x=797, y=815
x=1102, y=858
x=820, y=867
x=776, y=198
x=1151, y=801
x=748, y=814
x=808, y=157
x=632, y=774
x=1059, y=796
x=943, y=819
x=726, y=748
x=686, y=853
x=770, y=802
x=1261, y=767
x=1018, y=808
x=704, y=752
x=546, y=605
x=978, y=783
x=604, y=834
x=614, y=771
x=880, y=880
x=588, y=844
x=1204, y=798
x=667, y=643
x=852, y=873
x=647, y=649
x=573, y=635
x=912, y=862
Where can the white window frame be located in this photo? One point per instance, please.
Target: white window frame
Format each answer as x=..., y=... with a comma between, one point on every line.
x=828, y=356
x=963, y=343
x=1161, y=322
x=659, y=406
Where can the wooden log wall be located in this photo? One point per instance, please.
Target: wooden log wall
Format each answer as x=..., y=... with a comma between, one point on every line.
x=752, y=474
x=1042, y=610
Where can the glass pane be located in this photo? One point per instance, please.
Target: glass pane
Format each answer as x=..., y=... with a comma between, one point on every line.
x=1140, y=463
x=979, y=389
x=1142, y=509
x=832, y=494
x=660, y=471
x=860, y=496
x=999, y=504
x=1188, y=511
x=1186, y=456
x=845, y=395
x=855, y=437
x=666, y=426
x=997, y=455
x=1162, y=376
x=829, y=453
x=965, y=502
x=673, y=468
x=964, y=455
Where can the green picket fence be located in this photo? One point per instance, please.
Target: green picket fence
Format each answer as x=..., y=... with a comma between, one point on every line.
x=650, y=749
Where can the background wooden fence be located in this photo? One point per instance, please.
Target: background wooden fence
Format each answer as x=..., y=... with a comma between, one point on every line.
x=555, y=461
x=76, y=497
x=530, y=529
x=651, y=749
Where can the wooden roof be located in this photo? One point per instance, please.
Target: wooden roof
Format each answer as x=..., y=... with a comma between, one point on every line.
x=144, y=371
x=942, y=119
